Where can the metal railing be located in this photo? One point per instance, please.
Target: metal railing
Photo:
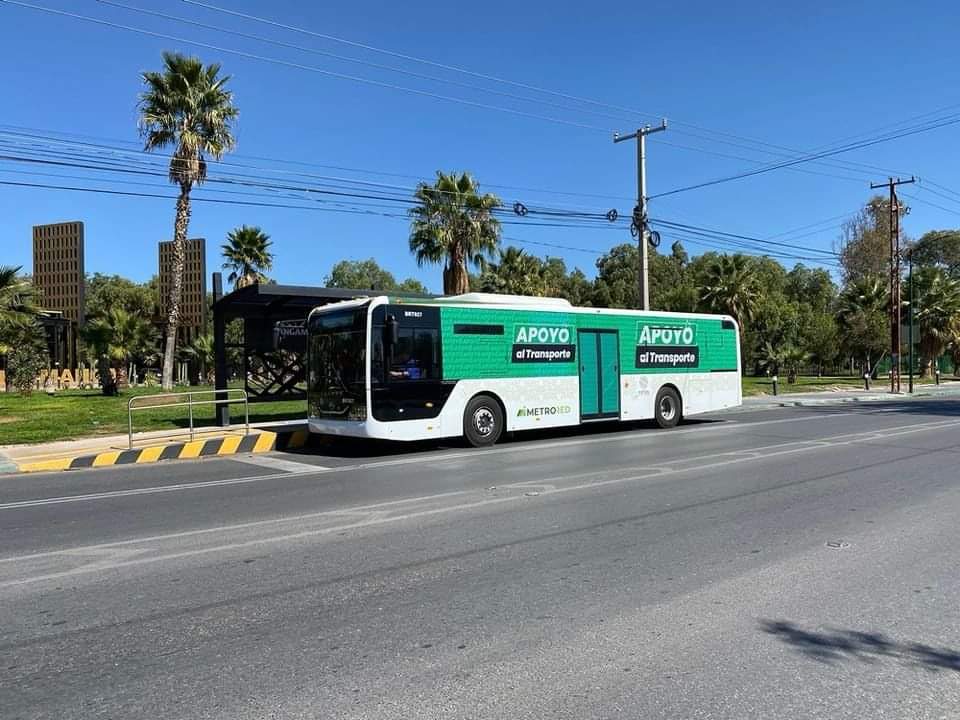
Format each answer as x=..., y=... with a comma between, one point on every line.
x=150, y=402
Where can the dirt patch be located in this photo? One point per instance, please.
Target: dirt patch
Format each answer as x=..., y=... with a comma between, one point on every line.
x=8, y=419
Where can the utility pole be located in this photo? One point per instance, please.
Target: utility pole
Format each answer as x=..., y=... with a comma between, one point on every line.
x=912, y=309
x=639, y=224
x=895, y=300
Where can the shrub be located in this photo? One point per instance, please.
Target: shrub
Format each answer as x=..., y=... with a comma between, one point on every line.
x=25, y=362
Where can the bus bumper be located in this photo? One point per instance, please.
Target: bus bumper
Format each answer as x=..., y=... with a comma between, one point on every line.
x=344, y=428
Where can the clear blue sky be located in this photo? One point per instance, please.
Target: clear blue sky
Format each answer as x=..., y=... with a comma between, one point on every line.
x=802, y=76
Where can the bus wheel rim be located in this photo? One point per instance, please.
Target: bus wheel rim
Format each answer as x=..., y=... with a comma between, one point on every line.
x=483, y=421
x=667, y=409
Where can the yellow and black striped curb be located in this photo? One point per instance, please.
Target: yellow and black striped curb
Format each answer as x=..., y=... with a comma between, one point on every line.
x=258, y=442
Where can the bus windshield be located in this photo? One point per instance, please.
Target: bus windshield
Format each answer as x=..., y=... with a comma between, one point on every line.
x=336, y=358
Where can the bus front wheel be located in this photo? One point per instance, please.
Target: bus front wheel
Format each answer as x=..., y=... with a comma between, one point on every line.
x=667, y=409
x=482, y=421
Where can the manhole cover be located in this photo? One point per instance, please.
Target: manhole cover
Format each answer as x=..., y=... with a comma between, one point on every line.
x=837, y=544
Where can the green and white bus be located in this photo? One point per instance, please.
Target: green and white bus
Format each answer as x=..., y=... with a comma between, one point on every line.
x=479, y=365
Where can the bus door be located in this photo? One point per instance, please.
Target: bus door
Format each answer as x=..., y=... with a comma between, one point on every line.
x=599, y=374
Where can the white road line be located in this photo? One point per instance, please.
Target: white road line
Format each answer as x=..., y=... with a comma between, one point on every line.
x=272, y=462
x=747, y=455
x=634, y=437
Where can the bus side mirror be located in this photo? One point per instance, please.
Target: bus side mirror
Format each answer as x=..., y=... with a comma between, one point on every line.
x=391, y=331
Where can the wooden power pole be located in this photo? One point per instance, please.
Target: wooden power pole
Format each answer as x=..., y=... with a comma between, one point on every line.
x=895, y=274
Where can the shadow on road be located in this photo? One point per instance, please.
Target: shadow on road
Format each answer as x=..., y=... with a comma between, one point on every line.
x=833, y=646
x=343, y=447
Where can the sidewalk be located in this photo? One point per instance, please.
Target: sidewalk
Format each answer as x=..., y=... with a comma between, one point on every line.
x=833, y=397
x=148, y=446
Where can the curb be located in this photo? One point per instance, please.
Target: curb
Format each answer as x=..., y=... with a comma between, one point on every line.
x=809, y=402
x=258, y=442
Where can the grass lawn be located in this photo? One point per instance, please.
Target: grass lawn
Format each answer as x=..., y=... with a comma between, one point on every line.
x=73, y=414
x=764, y=386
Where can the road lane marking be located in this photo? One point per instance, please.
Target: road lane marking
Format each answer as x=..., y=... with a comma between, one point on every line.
x=372, y=515
x=731, y=425
x=373, y=508
x=379, y=518
x=276, y=463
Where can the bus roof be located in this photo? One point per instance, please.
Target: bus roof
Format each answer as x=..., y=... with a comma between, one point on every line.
x=512, y=302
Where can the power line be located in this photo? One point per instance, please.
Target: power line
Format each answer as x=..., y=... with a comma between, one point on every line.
x=49, y=135
x=755, y=161
x=683, y=226
x=560, y=218
x=300, y=66
x=942, y=122
x=926, y=181
x=346, y=58
x=411, y=58
x=915, y=198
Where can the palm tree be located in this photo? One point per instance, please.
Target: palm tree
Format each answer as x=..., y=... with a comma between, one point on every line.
x=936, y=305
x=17, y=300
x=201, y=350
x=953, y=346
x=453, y=224
x=247, y=254
x=729, y=285
x=862, y=313
x=517, y=273
x=116, y=338
x=187, y=107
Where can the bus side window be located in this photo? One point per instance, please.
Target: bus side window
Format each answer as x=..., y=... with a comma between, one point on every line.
x=415, y=355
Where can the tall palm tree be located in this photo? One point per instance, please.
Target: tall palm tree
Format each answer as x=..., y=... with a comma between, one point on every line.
x=186, y=106
x=453, y=224
x=247, y=254
x=116, y=337
x=516, y=273
x=729, y=285
x=17, y=301
x=862, y=314
x=936, y=304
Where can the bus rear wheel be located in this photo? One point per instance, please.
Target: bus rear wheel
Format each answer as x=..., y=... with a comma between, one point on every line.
x=482, y=421
x=667, y=409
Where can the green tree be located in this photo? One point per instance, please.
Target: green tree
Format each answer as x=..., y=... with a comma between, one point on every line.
x=106, y=291
x=27, y=355
x=774, y=321
x=368, y=275
x=247, y=254
x=116, y=338
x=453, y=224
x=572, y=286
x=201, y=351
x=939, y=248
x=936, y=305
x=865, y=242
x=516, y=273
x=413, y=286
x=616, y=283
x=819, y=337
x=862, y=314
x=18, y=302
x=729, y=285
x=953, y=345
x=813, y=287
x=185, y=106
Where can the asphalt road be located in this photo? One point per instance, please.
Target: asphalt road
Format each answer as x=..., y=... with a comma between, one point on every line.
x=795, y=563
